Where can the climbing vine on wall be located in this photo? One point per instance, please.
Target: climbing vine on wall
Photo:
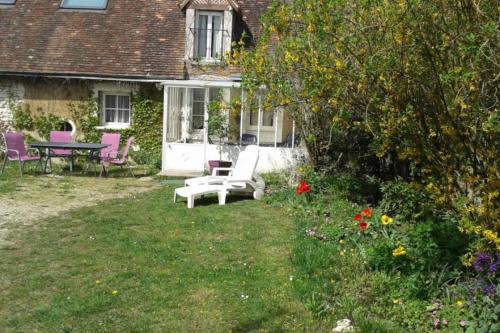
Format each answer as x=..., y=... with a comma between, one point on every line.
x=41, y=124
x=146, y=125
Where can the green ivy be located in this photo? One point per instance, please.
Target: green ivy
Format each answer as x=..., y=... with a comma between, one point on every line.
x=42, y=124
x=146, y=126
x=86, y=117
x=21, y=119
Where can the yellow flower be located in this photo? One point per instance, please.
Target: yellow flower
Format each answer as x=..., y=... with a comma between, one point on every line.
x=395, y=301
x=386, y=220
x=97, y=281
x=490, y=235
x=460, y=304
x=399, y=251
x=115, y=292
x=341, y=241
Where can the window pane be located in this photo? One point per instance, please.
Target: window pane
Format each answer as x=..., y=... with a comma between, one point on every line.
x=123, y=116
x=253, y=117
x=202, y=36
x=7, y=2
x=85, y=4
x=199, y=94
x=216, y=36
x=110, y=102
x=197, y=122
x=198, y=108
x=267, y=118
x=110, y=115
x=123, y=102
x=214, y=93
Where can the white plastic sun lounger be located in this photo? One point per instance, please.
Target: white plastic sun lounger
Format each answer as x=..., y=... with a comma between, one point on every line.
x=191, y=192
x=241, y=178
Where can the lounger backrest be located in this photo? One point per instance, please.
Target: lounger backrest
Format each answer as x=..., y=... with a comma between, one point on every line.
x=246, y=163
x=14, y=141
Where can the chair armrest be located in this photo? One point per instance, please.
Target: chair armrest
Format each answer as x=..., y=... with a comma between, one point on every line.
x=13, y=150
x=217, y=169
x=34, y=149
x=245, y=181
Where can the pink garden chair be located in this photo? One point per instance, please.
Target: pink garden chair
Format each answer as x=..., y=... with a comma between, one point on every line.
x=16, y=151
x=121, y=159
x=64, y=137
x=113, y=142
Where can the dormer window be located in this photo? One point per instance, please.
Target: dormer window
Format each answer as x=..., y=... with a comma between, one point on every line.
x=209, y=35
x=84, y=4
x=209, y=28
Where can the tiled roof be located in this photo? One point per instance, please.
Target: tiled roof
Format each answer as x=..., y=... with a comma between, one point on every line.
x=131, y=38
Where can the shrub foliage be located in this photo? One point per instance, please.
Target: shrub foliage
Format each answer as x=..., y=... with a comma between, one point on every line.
x=392, y=87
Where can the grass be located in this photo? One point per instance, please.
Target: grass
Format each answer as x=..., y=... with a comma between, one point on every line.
x=145, y=264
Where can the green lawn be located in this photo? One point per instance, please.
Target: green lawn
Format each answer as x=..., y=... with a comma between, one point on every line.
x=144, y=264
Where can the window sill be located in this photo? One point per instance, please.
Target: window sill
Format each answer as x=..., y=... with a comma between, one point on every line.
x=83, y=10
x=206, y=62
x=113, y=127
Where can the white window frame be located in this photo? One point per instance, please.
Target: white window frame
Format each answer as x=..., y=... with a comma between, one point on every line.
x=209, y=41
x=115, y=124
x=192, y=115
x=256, y=113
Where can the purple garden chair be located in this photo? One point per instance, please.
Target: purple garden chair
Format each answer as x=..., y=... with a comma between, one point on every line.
x=60, y=136
x=15, y=150
x=120, y=160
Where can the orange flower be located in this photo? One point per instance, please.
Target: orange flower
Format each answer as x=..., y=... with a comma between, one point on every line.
x=367, y=212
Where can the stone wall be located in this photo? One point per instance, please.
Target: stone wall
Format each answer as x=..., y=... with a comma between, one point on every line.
x=11, y=92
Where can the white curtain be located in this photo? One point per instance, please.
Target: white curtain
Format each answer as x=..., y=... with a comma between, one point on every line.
x=216, y=36
x=174, y=113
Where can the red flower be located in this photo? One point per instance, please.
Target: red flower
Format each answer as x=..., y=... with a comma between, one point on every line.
x=363, y=226
x=358, y=217
x=367, y=212
x=303, y=187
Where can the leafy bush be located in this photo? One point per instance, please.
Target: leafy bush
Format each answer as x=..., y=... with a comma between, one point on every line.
x=484, y=314
x=391, y=87
x=405, y=201
x=142, y=157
